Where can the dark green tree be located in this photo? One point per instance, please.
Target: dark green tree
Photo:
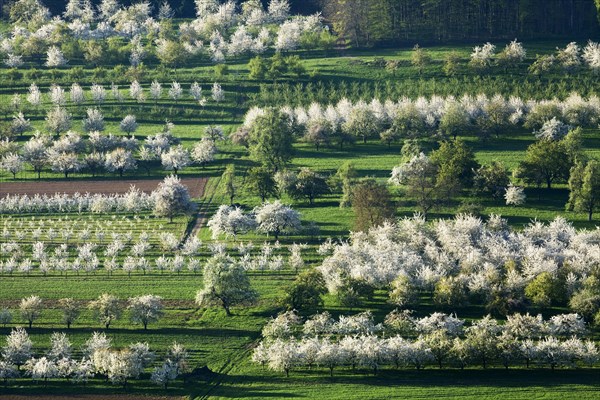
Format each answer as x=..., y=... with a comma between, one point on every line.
x=455, y=163
x=546, y=161
x=343, y=181
x=271, y=139
x=310, y=185
x=258, y=68
x=229, y=182
x=372, y=204
x=544, y=290
x=420, y=58
x=491, y=178
x=260, y=182
x=306, y=292
x=353, y=292
x=226, y=284
x=584, y=184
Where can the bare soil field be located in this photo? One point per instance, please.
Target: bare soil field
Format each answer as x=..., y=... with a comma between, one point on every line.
x=195, y=185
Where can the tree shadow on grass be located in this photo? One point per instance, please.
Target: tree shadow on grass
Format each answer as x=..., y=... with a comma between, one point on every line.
x=267, y=385
x=171, y=332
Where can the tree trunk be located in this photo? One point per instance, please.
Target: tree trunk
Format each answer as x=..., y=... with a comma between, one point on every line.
x=227, y=310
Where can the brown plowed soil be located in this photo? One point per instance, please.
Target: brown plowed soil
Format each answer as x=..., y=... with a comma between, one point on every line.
x=195, y=186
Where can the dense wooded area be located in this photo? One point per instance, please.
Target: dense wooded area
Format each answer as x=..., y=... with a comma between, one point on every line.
x=368, y=22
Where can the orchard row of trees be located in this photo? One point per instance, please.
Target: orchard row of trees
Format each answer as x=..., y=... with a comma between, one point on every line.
x=569, y=59
x=98, y=94
x=289, y=325
x=99, y=358
x=98, y=152
x=481, y=115
x=87, y=259
x=169, y=199
x=481, y=346
x=106, y=310
x=112, y=34
x=438, y=339
x=134, y=201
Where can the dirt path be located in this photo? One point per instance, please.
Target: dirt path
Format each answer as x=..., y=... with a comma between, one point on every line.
x=202, y=211
x=195, y=185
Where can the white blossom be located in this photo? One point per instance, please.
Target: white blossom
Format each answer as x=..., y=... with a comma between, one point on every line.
x=34, y=96
x=57, y=95
x=218, y=94
x=18, y=348
x=515, y=195
x=277, y=218
x=77, y=95
x=204, y=151
x=146, y=309
x=13, y=61
x=55, y=57
x=94, y=122
x=128, y=124
x=591, y=55
x=155, y=90
x=553, y=130
x=175, y=159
